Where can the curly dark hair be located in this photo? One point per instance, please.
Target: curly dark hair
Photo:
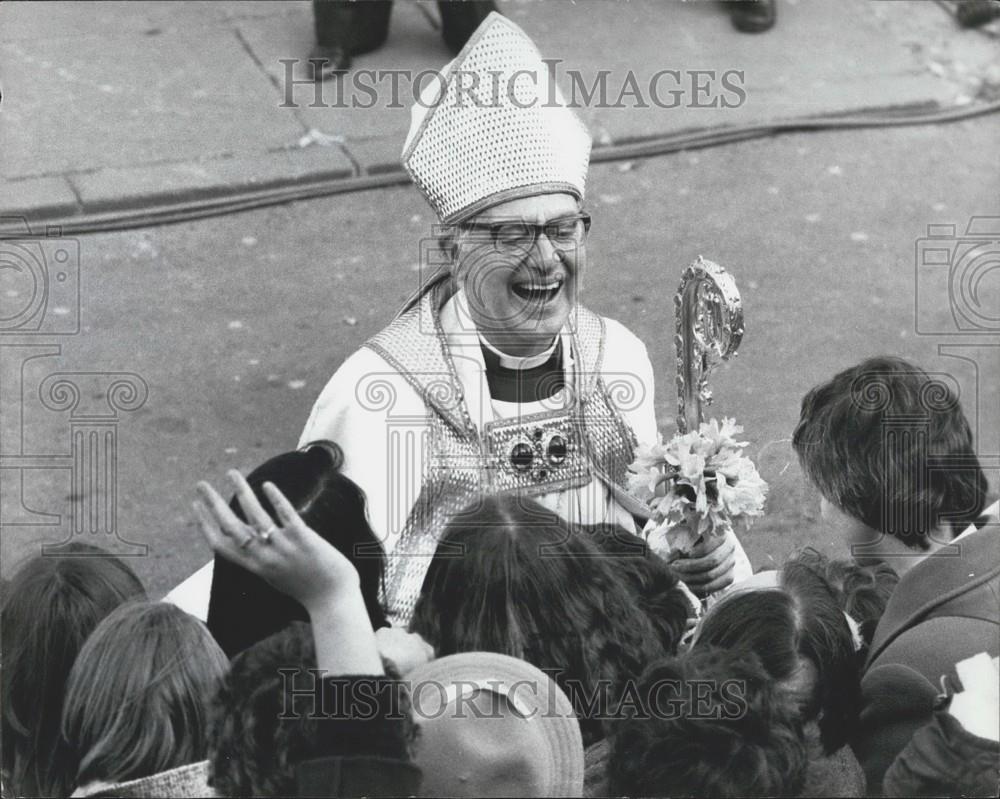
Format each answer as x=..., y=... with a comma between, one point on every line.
x=711, y=724
x=888, y=444
x=510, y=576
x=654, y=584
x=267, y=716
x=862, y=591
x=800, y=635
x=244, y=608
x=263, y=719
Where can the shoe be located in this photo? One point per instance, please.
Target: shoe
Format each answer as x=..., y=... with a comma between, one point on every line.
x=325, y=62
x=973, y=13
x=753, y=16
x=459, y=20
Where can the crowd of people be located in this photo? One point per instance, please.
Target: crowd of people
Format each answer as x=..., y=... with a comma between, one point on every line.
x=827, y=677
x=484, y=614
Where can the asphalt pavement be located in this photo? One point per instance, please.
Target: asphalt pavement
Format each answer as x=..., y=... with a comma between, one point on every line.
x=117, y=106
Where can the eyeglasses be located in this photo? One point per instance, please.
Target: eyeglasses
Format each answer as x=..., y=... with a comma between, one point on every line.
x=516, y=234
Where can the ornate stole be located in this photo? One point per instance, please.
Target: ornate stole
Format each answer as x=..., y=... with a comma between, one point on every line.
x=530, y=455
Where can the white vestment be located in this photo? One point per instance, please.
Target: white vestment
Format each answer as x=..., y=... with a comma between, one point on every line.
x=380, y=421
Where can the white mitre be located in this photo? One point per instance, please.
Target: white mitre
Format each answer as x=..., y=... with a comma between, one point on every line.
x=494, y=127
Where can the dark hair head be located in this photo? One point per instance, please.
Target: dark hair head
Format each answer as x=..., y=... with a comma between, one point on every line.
x=266, y=715
x=711, y=724
x=138, y=696
x=888, y=444
x=653, y=583
x=803, y=640
x=244, y=608
x=510, y=576
x=51, y=605
x=861, y=591
x=331, y=504
x=263, y=720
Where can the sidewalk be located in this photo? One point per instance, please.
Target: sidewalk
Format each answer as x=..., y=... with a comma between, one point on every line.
x=111, y=106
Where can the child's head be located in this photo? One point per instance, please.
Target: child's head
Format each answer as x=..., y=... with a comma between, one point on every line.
x=50, y=607
x=510, y=576
x=802, y=638
x=711, y=724
x=654, y=584
x=888, y=447
x=331, y=504
x=138, y=696
x=264, y=719
x=862, y=591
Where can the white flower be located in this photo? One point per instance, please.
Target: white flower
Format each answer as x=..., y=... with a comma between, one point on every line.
x=742, y=491
x=697, y=484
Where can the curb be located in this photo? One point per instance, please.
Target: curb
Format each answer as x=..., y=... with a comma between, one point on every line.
x=121, y=198
x=49, y=199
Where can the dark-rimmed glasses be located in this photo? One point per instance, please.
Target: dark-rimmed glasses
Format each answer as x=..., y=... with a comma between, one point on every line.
x=516, y=234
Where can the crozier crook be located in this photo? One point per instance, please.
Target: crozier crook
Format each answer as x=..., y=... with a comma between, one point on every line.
x=709, y=319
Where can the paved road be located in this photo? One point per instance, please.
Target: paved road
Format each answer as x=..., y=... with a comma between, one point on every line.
x=235, y=323
x=110, y=105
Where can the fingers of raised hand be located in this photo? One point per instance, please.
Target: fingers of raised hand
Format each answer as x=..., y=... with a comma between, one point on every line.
x=284, y=509
x=288, y=517
x=255, y=514
x=221, y=515
x=225, y=544
x=209, y=527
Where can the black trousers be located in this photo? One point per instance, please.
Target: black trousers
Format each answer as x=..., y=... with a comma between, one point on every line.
x=361, y=27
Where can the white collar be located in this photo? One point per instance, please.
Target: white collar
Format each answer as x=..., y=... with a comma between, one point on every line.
x=993, y=516
x=520, y=362
x=461, y=304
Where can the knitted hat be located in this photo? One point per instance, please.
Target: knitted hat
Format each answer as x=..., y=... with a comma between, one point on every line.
x=494, y=127
x=493, y=725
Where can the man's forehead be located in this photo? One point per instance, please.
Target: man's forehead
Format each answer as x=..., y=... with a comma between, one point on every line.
x=533, y=209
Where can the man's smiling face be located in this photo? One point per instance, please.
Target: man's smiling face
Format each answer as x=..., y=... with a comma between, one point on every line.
x=520, y=296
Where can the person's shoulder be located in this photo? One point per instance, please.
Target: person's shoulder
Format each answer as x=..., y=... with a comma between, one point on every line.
x=361, y=366
x=364, y=385
x=617, y=337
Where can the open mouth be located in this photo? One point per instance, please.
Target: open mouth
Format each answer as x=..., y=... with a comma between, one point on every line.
x=539, y=291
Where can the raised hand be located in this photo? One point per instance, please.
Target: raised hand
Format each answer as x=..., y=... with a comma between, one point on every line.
x=286, y=552
x=299, y=562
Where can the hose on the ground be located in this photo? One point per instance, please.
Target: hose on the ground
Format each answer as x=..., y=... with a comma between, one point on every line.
x=244, y=199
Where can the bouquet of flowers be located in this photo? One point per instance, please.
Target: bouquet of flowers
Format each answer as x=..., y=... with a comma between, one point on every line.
x=697, y=484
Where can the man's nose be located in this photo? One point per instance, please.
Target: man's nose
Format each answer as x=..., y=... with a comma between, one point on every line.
x=548, y=253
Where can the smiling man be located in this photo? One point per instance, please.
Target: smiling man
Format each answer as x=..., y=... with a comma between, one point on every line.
x=493, y=378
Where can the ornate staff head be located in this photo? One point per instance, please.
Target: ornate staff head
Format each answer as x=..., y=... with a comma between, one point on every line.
x=709, y=317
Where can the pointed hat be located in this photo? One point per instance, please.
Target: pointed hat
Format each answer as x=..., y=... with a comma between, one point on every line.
x=494, y=127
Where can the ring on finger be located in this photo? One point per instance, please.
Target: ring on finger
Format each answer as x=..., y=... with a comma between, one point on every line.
x=248, y=541
x=265, y=537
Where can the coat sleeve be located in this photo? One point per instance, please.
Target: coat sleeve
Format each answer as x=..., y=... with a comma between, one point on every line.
x=360, y=747
x=896, y=701
x=944, y=759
